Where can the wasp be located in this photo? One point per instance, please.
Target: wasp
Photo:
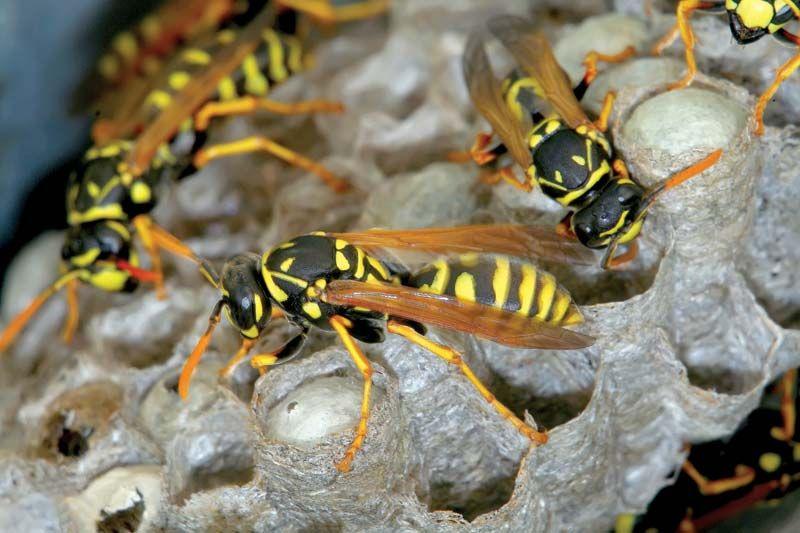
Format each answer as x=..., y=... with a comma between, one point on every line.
x=115, y=186
x=750, y=20
x=565, y=153
x=482, y=285
x=758, y=464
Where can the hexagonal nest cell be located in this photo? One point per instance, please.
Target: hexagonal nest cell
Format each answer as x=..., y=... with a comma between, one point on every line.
x=687, y=335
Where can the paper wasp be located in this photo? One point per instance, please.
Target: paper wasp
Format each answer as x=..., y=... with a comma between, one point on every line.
x=750, y=20
x=338, y=282
x=565, y=153
x=114, y=188
x=722, y=478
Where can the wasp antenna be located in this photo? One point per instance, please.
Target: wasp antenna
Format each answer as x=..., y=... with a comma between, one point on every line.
x=209, y=272
x=194, y=358
x=19, y=321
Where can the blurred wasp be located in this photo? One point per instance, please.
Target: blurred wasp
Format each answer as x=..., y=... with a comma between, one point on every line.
x=113, y=190
x=566, y=154
x=338, y=282
x=759, y=464
x=750, y=20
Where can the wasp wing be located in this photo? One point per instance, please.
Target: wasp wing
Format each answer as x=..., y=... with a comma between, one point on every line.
x=535, y=242
x=197, y=91
x=451, y=313
x=533, y=53
x=484, y=90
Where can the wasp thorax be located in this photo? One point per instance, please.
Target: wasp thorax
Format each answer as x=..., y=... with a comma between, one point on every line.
x=247, y=304
x=611, y=214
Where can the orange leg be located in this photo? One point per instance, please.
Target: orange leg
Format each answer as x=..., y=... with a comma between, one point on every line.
x=608, y=105
x=564, y=228
x=478, y=151
x=169, y=242
x=784, y=72
x=73, y=313
x=621, y=168
x=262, y=144
x=341, y=324
x=684, y=12
x=453, y=357
x=143, y=225
x=666, y=40
x=249, y=104
x=744, y=475
x=506, y=174
x=194, y=358
x=244, y=349
x=611, y=261
x=592, y=58
x=325, y=13
x=788, y=414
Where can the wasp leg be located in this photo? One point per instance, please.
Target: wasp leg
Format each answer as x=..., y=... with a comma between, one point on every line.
x=621, y=168
x=564, y=228
x=285, y=352
x=784, y=72
x=608, y=105
x=323, y=12
x=73, y=311
x=666, y=40
x=241, y=353
x=249, y=104
x=453, y=357
x=262, y=144
x=143, y=225
x=744, y=475
x=169, y=242
x=788, y=414
x=479, y=153
x=194, y=358
x=506, y=174
x=611, y=261
x=19, y=321
x=590, y=65
x=684, y=12
x=341, y=324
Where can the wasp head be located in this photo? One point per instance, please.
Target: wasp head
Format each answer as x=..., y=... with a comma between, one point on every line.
x=752, y=19
x=247, y=304
x=612, y=213
x=95, y=249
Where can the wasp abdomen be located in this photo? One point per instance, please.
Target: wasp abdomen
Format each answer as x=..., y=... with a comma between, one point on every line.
x=505, y=283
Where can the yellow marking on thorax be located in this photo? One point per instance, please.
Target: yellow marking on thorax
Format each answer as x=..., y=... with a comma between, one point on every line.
x=286, y=245
x=465, y=287
x=97, y=213
x=547, y=290
x=559, y=177
x=196, y=56
x=125, y=45
x=159, y=98
x=93, y=189
x=594, y=177
x=769, y=462
x=141, y=193
x=579, y=160
x=287, y=264
x=378, y=266
x=254, y=81
x=589, y=162
x=312, y=309
x=178, y=80
x=341, y=262
x=341, y=244
x=277, y=68
x=527, y=289
x=227, y=89
x=501, y=281
x=512, y=94
x=361, y=262
x=554, y=185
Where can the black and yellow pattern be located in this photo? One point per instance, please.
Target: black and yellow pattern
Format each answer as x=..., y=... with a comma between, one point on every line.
x=505, y=283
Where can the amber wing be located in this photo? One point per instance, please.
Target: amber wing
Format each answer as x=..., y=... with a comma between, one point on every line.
x=533, y=53
x=534, y=242
x=451, y=313
x=484, y=90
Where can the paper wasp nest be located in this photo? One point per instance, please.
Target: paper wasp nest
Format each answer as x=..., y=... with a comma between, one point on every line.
x=687, y=336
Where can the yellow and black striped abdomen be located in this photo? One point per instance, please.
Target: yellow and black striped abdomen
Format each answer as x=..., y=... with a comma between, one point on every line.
x=295, y=273
x=506, y=283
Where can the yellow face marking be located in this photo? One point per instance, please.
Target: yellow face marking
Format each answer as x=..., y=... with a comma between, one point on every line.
x=617, y=226
x=93, y=189
x=108, y=66
x=125, y=45
x=594, y=177
x=755, y=13
x=501, y=281
x=250, y=333
x=227, y=89
x=141, y=193
x=312, y=310
x=196, y=56
x=258, y=306
x=254, y=81
x=110, y=280
x=527, y=289
x=178, y=80
x=287, y=264
x=632, y=232
x=119, y=228
x=769, y=462
x=158, y=98
x=86, y=258
x=579, y=160
x=277, y=68
x=341, y=262
x=559, y=177
x=465, y=287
